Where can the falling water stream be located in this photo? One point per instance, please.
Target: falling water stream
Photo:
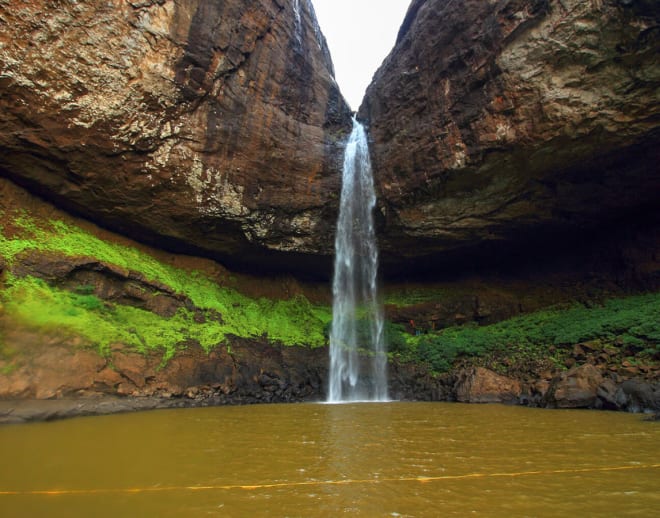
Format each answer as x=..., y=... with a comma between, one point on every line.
x=298, y=20
x=357, y=316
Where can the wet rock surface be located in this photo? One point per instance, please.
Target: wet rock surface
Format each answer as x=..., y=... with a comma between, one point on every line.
x=62, y=383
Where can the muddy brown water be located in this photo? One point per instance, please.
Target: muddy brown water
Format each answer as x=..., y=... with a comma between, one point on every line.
x=382, y=459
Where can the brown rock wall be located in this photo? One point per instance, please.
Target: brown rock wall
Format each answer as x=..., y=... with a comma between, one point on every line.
x=518, y=120
x=216, y=127
x=212, y=125
x=245, y=372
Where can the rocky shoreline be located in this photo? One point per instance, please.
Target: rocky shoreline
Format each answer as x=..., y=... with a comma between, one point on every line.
x=260, y=375
x=28, y=410
x=35, y=410
x=634, y=397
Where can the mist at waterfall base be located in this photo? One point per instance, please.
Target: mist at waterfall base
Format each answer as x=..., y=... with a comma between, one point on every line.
x=357, y=315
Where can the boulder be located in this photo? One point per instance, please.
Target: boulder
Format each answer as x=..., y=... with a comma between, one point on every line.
x=636, y=395
x=480, y=385
x=608, y=395
x=575, y=388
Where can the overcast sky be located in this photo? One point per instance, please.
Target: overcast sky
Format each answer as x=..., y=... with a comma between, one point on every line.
x=360, y=35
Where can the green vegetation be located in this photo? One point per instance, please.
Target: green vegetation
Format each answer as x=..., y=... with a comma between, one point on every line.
x=36, y=304
x=220, y=312
x=39, y=305
x=633, y=322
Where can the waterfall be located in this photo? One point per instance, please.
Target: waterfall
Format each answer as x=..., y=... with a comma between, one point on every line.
x=357, y=316
x=298, y=20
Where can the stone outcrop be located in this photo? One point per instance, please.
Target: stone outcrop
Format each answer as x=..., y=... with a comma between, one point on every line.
x=576, y=388
x=479, y=385
x=585, y=387
x=106, y=281
x=244, y=372
x=498, y=123
x=196, y=124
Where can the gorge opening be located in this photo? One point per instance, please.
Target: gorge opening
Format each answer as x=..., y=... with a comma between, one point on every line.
x=346, y=33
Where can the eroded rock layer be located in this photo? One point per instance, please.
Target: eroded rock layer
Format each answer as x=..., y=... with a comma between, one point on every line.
x=499, y=123
x=215, y=125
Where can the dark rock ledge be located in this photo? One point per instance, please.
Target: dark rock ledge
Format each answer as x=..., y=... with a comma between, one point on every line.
x=579, y=387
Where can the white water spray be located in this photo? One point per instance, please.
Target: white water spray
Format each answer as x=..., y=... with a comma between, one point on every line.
x=357, y=316
x=298, y=20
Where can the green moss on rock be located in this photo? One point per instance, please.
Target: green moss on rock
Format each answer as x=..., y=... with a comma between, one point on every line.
x=34, y=303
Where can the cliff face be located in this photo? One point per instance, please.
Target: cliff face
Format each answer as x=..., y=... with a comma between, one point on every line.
x=497, y=123
x=213, y=125
x=216, y=127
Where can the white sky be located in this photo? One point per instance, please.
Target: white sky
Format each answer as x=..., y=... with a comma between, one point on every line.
x=360, y=34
